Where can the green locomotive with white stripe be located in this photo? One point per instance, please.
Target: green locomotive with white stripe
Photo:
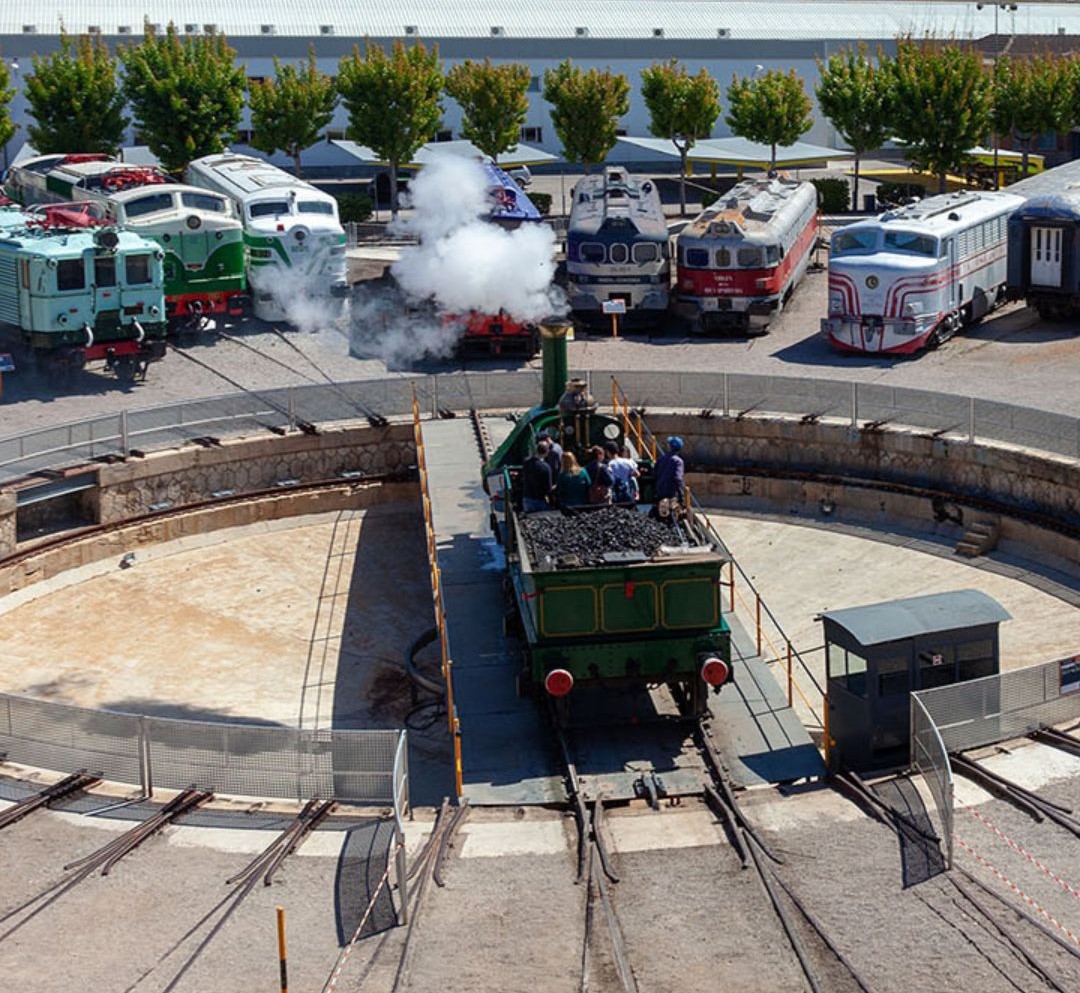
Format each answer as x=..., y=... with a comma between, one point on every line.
x=295, y=242
x=198, y=231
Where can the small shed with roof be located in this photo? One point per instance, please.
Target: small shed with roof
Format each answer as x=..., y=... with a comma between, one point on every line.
x=876, y=655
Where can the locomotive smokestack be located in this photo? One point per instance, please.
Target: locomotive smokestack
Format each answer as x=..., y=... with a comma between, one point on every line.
x=553, y=334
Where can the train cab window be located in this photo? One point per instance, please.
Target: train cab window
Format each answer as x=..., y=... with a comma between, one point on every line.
x=70, y=275
x=619, y=254
x=937, y=667
x=137, y=270
x=853, y=242
x=591, y=251
x=773, y=254
x=269, y=208
x=893, y=676
x=750, y=256
x=697, y=258
x=205, y=201
x=150, y=204
x=315, y=207
x=723, y=258
x=912, y=241
x=105, y=270
x=847, y=669
x=645, y=251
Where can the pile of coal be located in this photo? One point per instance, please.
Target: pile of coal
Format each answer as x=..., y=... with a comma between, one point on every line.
x=593, y=537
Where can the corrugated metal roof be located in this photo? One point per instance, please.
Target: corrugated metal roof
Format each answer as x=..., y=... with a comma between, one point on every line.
x=740, y=151
x=877, y=623
x=620, y=19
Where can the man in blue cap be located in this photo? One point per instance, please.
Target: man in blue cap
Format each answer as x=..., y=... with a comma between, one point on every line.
x=670, y=477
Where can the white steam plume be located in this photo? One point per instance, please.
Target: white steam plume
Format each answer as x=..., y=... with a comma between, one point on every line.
x=463, y=263
x=305, y=299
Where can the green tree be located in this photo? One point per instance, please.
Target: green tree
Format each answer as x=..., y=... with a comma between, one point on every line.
x=289, y=111
x=772, y=109
x=494, y=103
x=75, y=99
x=1031, y=97
x=941, y=103
x=7, y=94
x=585, y=108
x=187, y=94
x=853, y=93
x=393, y=101
x=682, y=108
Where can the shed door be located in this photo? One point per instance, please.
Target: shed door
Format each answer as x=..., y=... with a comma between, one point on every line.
x=1046, y=257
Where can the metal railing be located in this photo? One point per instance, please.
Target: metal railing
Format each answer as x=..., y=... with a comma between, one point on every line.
x=401, y=804
x=729, y=394
x=930, y=758
x=453, y=722
x=354, y=766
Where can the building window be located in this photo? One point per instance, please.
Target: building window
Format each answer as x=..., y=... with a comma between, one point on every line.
x=532, y=134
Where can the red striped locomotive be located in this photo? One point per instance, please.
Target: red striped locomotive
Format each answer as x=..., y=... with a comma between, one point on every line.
x=740, y=259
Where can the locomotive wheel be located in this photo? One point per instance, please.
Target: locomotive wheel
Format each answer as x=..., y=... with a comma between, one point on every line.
x=125, y=369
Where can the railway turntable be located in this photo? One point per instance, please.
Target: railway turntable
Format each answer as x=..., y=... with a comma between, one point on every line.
x=606, y=620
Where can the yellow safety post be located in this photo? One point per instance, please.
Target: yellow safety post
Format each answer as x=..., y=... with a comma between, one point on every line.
x=614, y=325
x=614, y=397
x=732, y=564
x=457, y=757
x=282, y=964
x=757, y=618
x=826, y=739
x=789, y=674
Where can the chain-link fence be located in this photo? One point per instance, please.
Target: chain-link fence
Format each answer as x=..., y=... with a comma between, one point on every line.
x=726, y=393
x=930, y=758
x=354, y=766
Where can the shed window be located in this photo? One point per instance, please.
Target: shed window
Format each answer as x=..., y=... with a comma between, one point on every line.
x=848, y=669
x=937, y=666
x=893, y=676
x=71, y=275
x=975, y=659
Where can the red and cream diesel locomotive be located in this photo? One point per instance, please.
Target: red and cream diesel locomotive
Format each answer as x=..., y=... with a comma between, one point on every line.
x=911, y=278
x=740, y=259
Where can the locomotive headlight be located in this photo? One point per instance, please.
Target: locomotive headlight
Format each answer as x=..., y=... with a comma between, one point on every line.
x=872, y=282
x=62, y=319
x=912, y=309
x=836, y=303
x=154, y=311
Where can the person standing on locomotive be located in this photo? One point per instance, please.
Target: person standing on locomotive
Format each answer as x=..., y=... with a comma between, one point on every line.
x=572, y=486
x=537, y=480
x=670, y=475
x=554, y=455
x=624, y=470
x=600, y=479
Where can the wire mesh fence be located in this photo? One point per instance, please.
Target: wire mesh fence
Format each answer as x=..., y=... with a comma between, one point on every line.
x=354, y=766
x=930, y=758
x=730, y=394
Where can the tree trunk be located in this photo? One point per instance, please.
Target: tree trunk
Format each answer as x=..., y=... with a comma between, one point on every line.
x=942, y=181
x=393, y=190
x=296, y=163
x=855, y=188
x=682, y=180
x=1024, y=162
x=772, y=161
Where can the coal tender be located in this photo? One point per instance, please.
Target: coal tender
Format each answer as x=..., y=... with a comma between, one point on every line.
x=607, y=595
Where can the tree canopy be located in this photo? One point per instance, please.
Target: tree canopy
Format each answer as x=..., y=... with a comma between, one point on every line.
x=187, y=94
x=494, y=102
x=7, y=94
x=682, y=108
x=772, y=109
x=1031, y=97
x=853, y=93
x=585, y=109
x=941, y=103
x=75, y=99
x=289, y=111
x=392, y=100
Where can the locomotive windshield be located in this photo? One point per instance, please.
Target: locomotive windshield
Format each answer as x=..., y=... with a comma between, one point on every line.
x=646, y=252
x=204, y=201
x=315, y=207
x=750, y=256
x=854, y=242
x=137, y=269
x=268, y=208
x=912, y=241
x=149, y=204
x=71, y=274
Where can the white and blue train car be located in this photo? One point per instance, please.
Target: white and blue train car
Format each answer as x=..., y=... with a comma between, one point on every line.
x=617, y=248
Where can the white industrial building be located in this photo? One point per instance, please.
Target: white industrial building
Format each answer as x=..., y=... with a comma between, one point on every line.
x=727, y=37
